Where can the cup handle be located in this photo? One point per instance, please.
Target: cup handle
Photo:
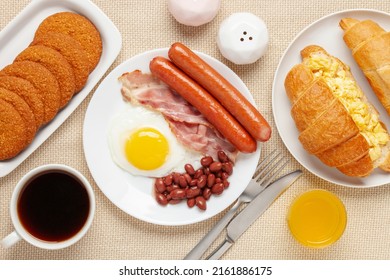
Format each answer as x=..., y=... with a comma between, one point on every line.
x=11, y=239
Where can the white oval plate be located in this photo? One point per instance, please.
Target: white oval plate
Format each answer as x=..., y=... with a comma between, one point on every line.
x=326, y=33
x=19, y=33
x=134, y=194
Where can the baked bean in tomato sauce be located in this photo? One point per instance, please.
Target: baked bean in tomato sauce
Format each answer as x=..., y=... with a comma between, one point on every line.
x=195, y=186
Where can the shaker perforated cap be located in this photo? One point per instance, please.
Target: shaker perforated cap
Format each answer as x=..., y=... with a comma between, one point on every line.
x=243, y=38
x=194, y=12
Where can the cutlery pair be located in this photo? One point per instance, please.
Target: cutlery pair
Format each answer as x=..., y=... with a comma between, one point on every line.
x=259, y=195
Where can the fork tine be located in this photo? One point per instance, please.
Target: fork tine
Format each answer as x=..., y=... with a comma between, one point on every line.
x=260, y=165
x=270, y=171
x=266, y=167
x=268, y=182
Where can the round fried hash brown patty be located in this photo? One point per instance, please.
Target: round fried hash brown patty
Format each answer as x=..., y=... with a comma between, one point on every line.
x=28, y=92
x=56, y=64
x=42, y=79
x=71, y=50
x=78, y=27
x=12, y=131
x=24, y=111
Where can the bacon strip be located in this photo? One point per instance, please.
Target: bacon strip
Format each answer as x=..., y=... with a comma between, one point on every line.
x=189, y=126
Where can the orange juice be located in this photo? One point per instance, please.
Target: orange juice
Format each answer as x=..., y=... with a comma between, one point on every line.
x=317, y=218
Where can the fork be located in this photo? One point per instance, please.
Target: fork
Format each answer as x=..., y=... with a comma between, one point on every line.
x=267, y=169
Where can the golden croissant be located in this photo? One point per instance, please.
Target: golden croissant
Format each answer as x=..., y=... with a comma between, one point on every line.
x=335, y=120
x=370, y=46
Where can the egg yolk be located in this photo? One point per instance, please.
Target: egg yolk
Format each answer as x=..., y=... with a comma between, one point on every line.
x=146, y=149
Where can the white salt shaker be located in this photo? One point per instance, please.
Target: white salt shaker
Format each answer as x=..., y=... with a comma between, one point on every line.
x=243, y=38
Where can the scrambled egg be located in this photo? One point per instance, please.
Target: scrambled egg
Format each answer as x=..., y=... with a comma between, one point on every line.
x=345, y=89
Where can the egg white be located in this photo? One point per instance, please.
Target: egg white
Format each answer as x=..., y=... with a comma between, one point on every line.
x=133, y=118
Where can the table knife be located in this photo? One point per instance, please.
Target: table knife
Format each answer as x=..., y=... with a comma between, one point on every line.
x=253, y=211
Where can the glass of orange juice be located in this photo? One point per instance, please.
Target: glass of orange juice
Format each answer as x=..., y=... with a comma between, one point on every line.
x=317, y=218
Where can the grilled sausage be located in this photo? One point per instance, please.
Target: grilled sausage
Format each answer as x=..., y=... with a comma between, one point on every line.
x=221, y=89
x=213, y=111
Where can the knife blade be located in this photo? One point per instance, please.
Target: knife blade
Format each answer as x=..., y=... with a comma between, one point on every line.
x=253, y=211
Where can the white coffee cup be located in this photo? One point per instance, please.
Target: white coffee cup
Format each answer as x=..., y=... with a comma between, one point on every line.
x=21, y=232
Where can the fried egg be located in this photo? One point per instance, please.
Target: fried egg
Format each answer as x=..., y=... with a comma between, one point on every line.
x=142, y=143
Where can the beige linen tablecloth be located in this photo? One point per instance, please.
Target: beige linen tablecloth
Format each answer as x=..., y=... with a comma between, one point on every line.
x=147, y=25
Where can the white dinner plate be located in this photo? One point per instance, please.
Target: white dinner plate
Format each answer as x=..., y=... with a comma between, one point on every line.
x=134, y=194
x=326, y=33
x=19, y=33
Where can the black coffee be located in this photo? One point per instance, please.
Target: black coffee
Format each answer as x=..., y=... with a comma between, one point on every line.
x=53, y=206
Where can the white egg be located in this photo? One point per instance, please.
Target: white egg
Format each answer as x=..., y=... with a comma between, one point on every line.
x=142, y=143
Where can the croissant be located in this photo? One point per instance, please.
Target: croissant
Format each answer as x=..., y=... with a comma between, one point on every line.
x=335, y=120
x=370, y=46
